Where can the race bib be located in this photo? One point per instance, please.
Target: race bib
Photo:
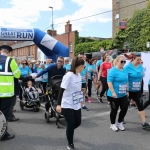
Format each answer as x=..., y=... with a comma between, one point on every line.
x=136, y=86
x=45, y=77
x=77, y=97
x=122, y=88
x=83, y=78
x=89, y=75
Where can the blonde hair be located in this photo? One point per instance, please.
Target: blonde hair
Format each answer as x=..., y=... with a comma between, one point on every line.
x=115, y=61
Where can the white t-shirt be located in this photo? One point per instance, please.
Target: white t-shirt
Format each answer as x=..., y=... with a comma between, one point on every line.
x=72, y=84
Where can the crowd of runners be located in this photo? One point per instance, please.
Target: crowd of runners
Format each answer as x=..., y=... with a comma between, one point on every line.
x=120, y=84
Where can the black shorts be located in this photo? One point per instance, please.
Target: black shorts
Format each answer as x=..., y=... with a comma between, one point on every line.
x=83, y=85
x=137, y=97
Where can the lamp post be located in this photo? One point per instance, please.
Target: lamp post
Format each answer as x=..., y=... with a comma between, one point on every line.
x=52, y=20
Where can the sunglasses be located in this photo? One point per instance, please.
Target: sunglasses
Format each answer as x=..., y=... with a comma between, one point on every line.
x=60, y=61
x=24, y=63
x=137, y=54
x=123, y=61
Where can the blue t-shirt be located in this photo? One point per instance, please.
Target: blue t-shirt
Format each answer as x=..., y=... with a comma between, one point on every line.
x=119, y=79
x=83, y=75
x=149, y=82
x=135, y=76
x=24, y=71
x=67, y=66
x=98, y=63
x=90, y=72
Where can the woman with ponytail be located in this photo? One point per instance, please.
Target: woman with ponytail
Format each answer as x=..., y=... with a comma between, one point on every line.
x=70, y=98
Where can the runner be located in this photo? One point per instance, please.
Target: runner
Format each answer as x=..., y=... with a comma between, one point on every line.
x=117, y=93
x=102, y=76
x=135, y=75
x=71, y=96
x=84, y=76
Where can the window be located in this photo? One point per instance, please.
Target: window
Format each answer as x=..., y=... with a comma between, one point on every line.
x=117, y=19
x=70, y=47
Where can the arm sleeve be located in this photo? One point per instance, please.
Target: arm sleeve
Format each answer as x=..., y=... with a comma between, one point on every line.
x=66, y=81
x=110, y=76
x=45, y=70
x=61, y=91
x=14, y=68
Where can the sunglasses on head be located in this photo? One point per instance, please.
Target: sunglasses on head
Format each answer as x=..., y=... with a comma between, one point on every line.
x=123, y=61
x=137, y=54
x=60, y=61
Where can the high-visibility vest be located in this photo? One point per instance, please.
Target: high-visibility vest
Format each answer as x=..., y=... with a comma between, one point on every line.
x=8, y=70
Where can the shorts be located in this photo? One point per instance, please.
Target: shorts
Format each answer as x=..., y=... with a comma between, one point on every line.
x=137, y=97
x=83, y=86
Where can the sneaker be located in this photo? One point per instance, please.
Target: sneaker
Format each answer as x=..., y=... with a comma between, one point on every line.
x=133, y=105
x=120, y=126
x=84, y=107
x=108, y=104
x=99, y=100
x=90, y=100
x=113, y=127
x=70, y=146
x=123, y=122
x=146, y=125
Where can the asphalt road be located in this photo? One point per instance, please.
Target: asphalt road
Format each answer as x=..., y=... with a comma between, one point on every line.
x=33, y=133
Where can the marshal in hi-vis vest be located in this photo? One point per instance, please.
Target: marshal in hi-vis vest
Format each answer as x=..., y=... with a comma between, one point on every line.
x=8, y=70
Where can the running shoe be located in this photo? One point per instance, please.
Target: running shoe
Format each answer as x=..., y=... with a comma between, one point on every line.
x=120, y=126
x=70, y=146
x=84, y=107
x=99, y=100
x=90, y=100
x=113, y=127
x=146, y=125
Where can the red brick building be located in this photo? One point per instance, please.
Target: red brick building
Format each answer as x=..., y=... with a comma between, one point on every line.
x=28, y=50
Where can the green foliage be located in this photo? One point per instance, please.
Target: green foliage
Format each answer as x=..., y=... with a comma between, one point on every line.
x=137, y=32
x=95, y=46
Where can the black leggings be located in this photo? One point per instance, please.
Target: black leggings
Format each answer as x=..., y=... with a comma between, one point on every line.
x=142, y=84
x=105, y=86
x=137, y=97
x=73, y=119
x=115, y=103
x=146, y=103
x=89, y=87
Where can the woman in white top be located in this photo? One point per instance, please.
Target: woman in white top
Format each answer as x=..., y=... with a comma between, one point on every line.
x=70, y=98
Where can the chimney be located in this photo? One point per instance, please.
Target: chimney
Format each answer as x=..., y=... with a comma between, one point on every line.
x=52, y=33
x=68, y=27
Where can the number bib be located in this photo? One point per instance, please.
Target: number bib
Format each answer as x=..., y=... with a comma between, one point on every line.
x=45, y=77
x=77, y=97
x=83, y=78
x=136, y=86
x=122, y=88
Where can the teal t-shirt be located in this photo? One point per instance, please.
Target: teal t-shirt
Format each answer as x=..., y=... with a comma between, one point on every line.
x=83, y=75
x=98, y=63
x=67, y=66
x=90, y=73
x=24, y=71
x=119, y=79
x=149, y=82
x=135, y=75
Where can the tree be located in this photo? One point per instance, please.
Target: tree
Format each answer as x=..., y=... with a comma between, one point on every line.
x=137, y=32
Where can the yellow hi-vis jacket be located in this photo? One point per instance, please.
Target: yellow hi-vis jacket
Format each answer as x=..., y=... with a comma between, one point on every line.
x=8, y=70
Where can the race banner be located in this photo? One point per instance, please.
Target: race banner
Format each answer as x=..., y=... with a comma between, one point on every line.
x=12, y=34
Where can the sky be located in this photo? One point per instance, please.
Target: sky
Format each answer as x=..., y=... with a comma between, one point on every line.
x=37, y=14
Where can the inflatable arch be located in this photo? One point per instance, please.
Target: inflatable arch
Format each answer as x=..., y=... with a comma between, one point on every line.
x=48, y=45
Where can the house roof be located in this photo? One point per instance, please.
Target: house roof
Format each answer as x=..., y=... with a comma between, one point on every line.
x=22, y=44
